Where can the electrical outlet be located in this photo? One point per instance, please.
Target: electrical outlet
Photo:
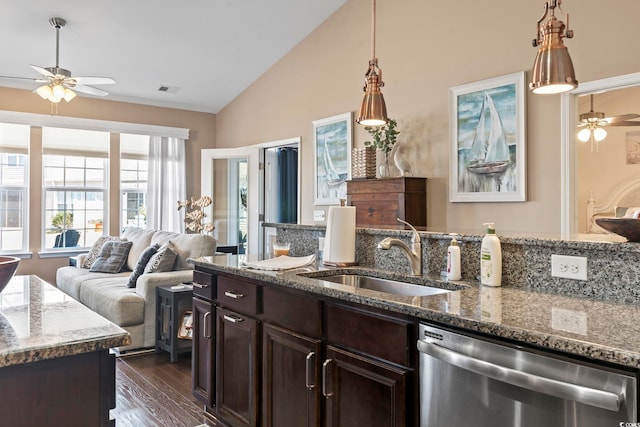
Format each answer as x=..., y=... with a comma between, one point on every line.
x=318, y=216
x=569, y=267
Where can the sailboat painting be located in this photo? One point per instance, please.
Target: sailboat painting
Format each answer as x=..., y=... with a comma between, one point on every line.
x=332, y=155
x=487, y=149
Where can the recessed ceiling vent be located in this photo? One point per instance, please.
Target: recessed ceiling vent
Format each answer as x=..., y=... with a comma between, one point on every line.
x=168, y=89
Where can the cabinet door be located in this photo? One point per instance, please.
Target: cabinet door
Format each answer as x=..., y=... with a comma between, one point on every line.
x=291, y=367
x=203, y=351
x=237, y=368
x=360, y=391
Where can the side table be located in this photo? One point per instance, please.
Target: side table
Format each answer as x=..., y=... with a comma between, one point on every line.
x=171, y=304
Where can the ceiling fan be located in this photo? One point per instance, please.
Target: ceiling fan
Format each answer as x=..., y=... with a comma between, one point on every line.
x=593, y=124
x=59, y=83
x=597, y=118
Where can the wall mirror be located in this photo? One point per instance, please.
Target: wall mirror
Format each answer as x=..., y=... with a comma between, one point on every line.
x=601, y=175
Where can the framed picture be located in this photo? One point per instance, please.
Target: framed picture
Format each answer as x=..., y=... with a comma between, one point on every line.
x=633, y=147
x=487, y=148
x=186, y=326
x=332, y=140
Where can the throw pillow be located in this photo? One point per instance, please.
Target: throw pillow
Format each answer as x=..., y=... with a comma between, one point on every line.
x=163, y=260
x=141, y=264
x=112, y=257
x=95, y=249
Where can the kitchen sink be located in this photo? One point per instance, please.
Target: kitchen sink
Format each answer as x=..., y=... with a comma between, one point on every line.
x=388, y=286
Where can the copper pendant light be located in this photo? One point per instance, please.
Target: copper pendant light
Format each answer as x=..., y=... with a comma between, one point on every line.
x=373, y=111
x=552, y=70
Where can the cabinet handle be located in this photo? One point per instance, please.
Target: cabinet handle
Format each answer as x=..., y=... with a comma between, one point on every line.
x=199, y=285
x=308, y=371
x=233, y=295
x=233, y=319
x=205, y=323
x=325, y=379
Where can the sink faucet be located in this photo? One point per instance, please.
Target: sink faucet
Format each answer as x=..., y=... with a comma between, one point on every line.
x=414, y=253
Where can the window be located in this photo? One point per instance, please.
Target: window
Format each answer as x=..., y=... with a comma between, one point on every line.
x=134, y=167
x=14, y=182
x=74, y=171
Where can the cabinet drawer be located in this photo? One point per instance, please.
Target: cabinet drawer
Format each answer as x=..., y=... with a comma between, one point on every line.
x=369, y=333
x=204, y=285
x=239, y=295
x=295, y=312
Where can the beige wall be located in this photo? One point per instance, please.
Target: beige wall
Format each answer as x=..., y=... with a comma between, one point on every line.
x=425, y=48
x=201, y=135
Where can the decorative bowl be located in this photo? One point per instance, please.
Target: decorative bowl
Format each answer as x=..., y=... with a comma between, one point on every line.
x=625, y=227
x=8, y=266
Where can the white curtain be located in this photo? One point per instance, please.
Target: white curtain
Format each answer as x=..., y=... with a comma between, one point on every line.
x=166, y=184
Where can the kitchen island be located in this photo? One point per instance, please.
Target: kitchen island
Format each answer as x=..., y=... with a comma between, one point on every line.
x=266, y=342
x=597, y=330
x=55, y=366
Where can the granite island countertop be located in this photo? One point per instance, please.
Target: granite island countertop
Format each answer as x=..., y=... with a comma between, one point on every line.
x=602, y=331
x=39, y=322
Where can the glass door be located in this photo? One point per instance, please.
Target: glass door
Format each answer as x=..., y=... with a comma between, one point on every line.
x=227, y=179
x=249, y=186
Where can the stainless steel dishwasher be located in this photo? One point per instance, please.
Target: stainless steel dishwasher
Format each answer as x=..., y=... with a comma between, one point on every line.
x=468, y=381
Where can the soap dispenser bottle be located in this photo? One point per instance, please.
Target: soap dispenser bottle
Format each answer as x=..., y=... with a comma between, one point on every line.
x=490, y=258
x=453, y=259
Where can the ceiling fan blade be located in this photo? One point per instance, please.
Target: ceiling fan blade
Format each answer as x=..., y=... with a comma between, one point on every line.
x=621, y=118
x=21, y=78
x=43, y=71
x=89, y=80
x=90, y=90
x=625, y=123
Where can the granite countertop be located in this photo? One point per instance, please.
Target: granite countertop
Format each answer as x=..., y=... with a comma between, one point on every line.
x=602, y=331
x=39, y=322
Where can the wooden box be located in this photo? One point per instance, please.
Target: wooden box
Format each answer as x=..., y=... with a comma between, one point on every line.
x=381, y=201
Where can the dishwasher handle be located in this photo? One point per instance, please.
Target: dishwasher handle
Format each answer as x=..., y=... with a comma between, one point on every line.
x=573, y=392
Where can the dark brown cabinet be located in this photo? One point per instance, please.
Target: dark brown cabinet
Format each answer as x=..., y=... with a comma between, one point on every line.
x=291, y=378
x=381, y=201
x=292, y=358
x=203, y=372
x=237, y=365
x=361, y=391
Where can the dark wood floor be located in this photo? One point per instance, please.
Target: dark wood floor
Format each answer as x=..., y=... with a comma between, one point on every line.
x=152, y=392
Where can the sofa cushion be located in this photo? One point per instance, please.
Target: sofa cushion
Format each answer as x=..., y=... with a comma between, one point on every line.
x=112, y=258
x=187, y=246
x=110, y=297
x=141, y=239
x=95, y=250
x=142, y=263
x=162, y=260
x=70, y=279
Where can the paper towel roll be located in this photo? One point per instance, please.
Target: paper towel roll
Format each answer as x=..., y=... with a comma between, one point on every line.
x=340, y=238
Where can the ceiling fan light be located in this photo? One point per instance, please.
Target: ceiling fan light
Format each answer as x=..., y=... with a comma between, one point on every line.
x=69, y=94
x=584, y=135
x=58, y=91
x=599, y=134
x=44, y=91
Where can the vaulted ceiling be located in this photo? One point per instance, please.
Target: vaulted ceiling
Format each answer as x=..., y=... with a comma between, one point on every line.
x=206, y=51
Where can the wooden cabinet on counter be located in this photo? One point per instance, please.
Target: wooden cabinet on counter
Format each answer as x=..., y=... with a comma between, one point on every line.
x=381, y=201
x=286, y=357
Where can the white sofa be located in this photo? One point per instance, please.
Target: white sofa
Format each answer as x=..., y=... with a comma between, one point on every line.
x=134, y=309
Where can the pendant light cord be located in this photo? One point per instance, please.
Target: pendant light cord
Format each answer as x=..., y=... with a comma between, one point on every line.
x=373, y=29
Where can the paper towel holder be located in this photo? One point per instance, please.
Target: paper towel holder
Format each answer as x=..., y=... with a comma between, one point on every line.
x=343, y=203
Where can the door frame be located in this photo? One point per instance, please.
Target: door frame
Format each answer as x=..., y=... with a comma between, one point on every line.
x=255, y=191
